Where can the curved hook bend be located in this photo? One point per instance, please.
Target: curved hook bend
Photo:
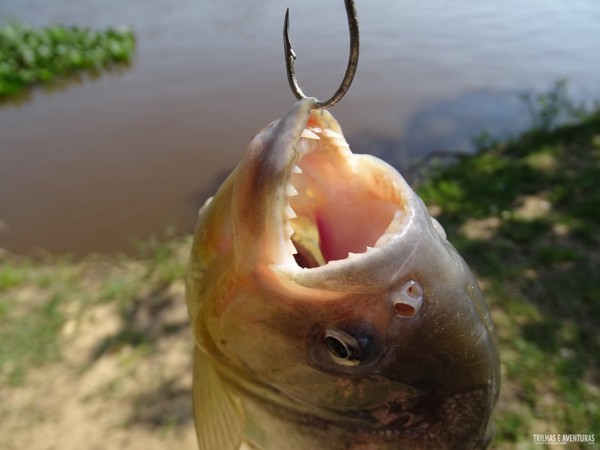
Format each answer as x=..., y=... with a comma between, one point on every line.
x=290, y=56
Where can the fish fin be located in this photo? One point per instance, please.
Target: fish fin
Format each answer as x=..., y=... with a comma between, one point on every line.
x=219, y=415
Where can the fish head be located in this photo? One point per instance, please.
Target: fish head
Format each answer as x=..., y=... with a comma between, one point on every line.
x=320, y=283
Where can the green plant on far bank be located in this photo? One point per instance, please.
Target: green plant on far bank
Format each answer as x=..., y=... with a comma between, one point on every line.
x=525, y=215
x=552, y=108
x=31, y=55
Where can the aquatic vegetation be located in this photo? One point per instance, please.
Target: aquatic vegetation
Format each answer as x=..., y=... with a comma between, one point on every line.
x=31, y=55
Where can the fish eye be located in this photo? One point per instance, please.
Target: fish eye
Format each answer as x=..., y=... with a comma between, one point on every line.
x=342, y=347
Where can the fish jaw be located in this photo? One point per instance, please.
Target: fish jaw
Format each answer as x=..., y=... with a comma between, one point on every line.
x=262, y=186
x=348, y=201
x=316, y=242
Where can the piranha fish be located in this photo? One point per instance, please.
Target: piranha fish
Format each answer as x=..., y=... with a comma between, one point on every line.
x=328, y=309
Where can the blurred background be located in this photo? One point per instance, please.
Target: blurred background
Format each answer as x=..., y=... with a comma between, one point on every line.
x=89, y=164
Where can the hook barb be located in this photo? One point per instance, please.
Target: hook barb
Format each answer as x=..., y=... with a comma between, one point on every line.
x=290, y=57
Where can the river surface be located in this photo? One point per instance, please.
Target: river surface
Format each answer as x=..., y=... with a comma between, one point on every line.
x=88, y=165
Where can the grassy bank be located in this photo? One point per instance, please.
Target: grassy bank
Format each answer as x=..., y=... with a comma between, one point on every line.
x=96, y=352
x=524, y=214
x=40, y=297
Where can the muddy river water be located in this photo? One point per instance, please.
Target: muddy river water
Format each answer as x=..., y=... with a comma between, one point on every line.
x=88, y=165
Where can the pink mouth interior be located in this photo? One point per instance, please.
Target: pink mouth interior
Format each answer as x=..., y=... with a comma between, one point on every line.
x=347, y=201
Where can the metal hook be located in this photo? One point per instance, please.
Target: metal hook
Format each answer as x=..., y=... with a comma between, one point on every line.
x=290, y=56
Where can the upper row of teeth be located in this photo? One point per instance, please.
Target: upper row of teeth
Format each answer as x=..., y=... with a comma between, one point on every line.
x=289, y=213
x=290, y=190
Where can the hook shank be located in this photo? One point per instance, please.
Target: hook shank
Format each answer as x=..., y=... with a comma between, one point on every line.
x=290, y=56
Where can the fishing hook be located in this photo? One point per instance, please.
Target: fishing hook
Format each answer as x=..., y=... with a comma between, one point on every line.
x=290, y=56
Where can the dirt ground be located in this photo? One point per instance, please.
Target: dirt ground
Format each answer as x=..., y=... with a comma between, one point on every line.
x=123, y=382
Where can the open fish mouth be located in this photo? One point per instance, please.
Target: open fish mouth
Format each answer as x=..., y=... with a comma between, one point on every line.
x=339, y=205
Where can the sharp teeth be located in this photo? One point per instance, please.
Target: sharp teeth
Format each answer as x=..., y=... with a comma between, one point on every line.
x=309, y=135
x=332, y=134
x=290, y=190
x=336, y=138
x=289, y=229
x=296, y=169
x=290, y=213
x=291, y=247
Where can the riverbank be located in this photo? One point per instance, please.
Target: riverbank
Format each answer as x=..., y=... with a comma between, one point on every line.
x=96, y=352
x=525, y=215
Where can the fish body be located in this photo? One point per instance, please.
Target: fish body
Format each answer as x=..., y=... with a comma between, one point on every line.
x=328, y=308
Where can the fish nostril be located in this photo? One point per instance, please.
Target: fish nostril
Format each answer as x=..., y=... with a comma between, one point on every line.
x=409, y=299
x=404, y=310
x=414, y=290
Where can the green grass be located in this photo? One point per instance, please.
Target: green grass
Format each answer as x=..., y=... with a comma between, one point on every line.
x=13, y=274
x=539, y=266
x=36, y=55
x=32, y=300
x=38, y=299
x=29, y=339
